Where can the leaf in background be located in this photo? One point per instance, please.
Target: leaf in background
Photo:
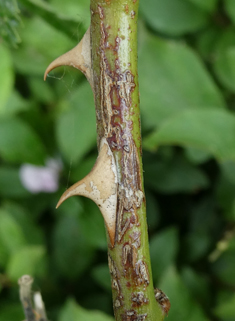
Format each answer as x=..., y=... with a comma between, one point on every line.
x=209, y=130
x=173, y=17
x=228, y=169
x=78, y=11
x=222, y=55
x=15, y=104
x=196, y=156
x=153, y=210
x=85, y=166
x=41, y=90
x=226, y=310
x=41, y=44
x=182, y=304
x=56, y=18
x=172, y=79
x=10, y=312
x=31, y=230
x=207, y=41
x=197, y=284
x=203, y=223
x=28, y=260
x=19, y=143
x=75, y=128
x=72, y=207
x=196, y=246
x=208, y=5
x=230, y=9
x=74, y=312
x=92, y=224
x=225, y=68
x=11, y=234
x=225, y=196
x=72, y=254
x=223, y=267
x=9, y=22
x=164, y=247
x=102, y=276
x=6, y=77
x=11, y=185
x=175, y=176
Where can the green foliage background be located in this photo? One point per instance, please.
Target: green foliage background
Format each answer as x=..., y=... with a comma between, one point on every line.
x=187, y=92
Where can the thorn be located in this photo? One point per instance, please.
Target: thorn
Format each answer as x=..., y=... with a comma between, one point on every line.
x=100, y=185
x=79, y=57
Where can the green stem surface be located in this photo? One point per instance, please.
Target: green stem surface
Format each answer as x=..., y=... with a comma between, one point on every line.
x=116, y=91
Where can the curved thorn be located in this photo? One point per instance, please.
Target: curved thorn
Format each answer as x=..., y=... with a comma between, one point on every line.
x=79, y=57
x=100, y=185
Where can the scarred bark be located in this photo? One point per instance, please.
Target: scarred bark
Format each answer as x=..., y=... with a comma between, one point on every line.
x=116, y=91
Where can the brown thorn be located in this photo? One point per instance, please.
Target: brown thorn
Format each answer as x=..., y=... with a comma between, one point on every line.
x=100, y=185
x=79, y=57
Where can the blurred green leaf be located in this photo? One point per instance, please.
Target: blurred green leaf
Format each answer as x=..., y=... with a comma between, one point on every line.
x=10, y=312
x=56, y=18
x=102, y=276
x=225, y=68
x=92, y=224
x=196, y=245
x=15, y=104
x=78, y=11
x=72, y=207
x=207, y=42
x=98, y=301
x=203, y=225
x=197, y=284
x=85, y=166
x=211, y=130
x=27, y=260
x=230, y=9
x=41, y=44
x=208, y=5
x=31, y=230
x=160, y=258
x=72, y=311
x=197, y=156
x=9, y=22
x=173, y=17
x=19, y=143
x=223, y=267
x=11, y=185
x=173, y=79
x=6, y=77
x=11, y=234
x=226, y=309
x=76, y=127
x=72, y=254
x=182, y=304
x=174, y=176
x=153, y=211
x=228, y=169
x=222, y=54
x=41, y=90
x=225, y=196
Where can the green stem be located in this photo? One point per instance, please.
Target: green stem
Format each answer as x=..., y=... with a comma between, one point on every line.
x=116, y=91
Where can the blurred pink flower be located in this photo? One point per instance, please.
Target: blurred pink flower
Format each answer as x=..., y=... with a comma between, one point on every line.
x=38, y=179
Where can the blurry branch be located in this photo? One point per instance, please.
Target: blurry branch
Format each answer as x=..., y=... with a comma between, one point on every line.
x=222, y=245
x=32, y=314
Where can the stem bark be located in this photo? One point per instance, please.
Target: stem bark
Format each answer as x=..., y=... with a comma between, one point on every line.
x=116, y=92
